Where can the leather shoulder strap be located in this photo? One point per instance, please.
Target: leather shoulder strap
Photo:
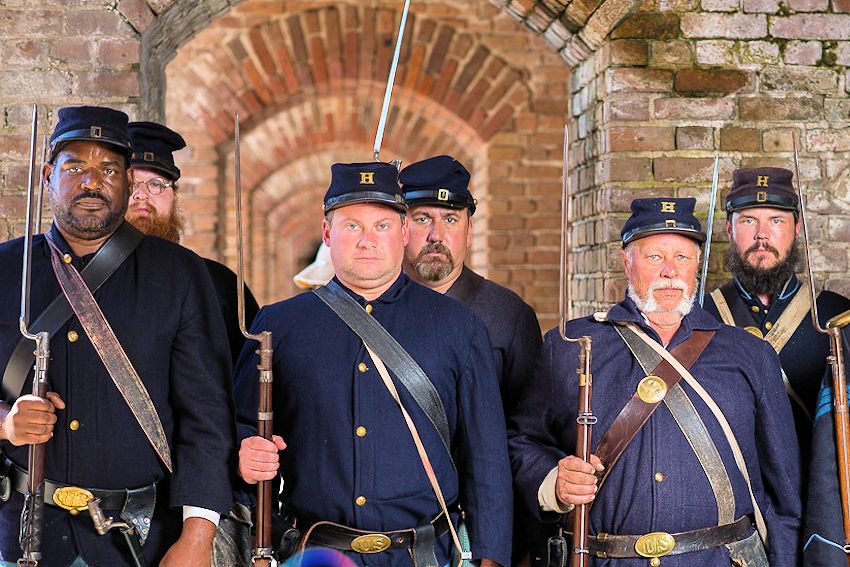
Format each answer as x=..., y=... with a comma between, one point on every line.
x=719, y=416
x=722, y=307
x=110, y=256
x=790, y=319
x=111, y=354
x=649, y=393
x=408, y=372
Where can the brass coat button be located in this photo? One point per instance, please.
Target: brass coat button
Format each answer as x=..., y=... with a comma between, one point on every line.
x=369, y=308
x=360, y=431
x=659, y=477
x=74, y=425
x=73, y=336
x=67, y=258
x=754, y=309
x=362, y=367
x=768, y=325
x=360, y=500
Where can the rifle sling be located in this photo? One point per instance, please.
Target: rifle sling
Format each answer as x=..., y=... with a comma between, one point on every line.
x=408, y=372
x=104, y=263
x=637, y=412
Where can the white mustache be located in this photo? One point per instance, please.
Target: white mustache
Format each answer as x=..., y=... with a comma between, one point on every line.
x=668, y=283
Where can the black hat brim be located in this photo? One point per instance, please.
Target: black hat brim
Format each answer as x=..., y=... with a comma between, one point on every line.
x=643, y=232
x=374, y=197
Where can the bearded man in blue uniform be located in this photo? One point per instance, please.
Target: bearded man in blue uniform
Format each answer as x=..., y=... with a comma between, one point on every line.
x=350, y=467
x=161, y=306
x=765, y=296
x=712, y=452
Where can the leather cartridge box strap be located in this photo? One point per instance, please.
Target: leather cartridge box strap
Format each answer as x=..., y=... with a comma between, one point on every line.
x=649, y=393
x=408, y=372
x=104, y=263
x=692, y=426
x=111, y=353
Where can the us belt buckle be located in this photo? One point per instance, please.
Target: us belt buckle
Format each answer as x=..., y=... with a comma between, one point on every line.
x=72, y=498
x=370, y=543
x=655, y=545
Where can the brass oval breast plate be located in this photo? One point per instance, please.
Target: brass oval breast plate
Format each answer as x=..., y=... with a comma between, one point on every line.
x=656, y=544
x=370, y=543
x=72, y=498
x=754, y=331
x=652, y=389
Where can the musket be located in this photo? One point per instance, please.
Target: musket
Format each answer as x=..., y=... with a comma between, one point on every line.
x=707, y=252
x=585, y=418
x=385, y=107
x=262, y=554
x=33, y=511
x=839, y=377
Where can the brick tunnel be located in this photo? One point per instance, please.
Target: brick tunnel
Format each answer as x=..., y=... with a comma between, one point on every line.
x=652, y=92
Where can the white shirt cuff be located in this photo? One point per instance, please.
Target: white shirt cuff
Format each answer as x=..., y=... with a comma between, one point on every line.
x=546, y=498
x=198, y=512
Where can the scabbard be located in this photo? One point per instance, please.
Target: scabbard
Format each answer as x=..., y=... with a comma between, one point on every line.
x=134, y=547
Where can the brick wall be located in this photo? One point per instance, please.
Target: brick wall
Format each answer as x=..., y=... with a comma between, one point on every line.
x=655, y=90
x=681, y=81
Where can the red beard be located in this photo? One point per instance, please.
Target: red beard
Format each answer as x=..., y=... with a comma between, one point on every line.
x=169, y=226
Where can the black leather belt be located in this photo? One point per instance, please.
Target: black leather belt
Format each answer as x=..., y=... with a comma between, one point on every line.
x=659, y=544
x=344, y=538
x=71, y=498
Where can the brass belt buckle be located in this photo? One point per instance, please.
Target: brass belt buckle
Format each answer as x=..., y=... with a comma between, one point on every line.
x=655, y=545
x=72, y=498
x=370, y=543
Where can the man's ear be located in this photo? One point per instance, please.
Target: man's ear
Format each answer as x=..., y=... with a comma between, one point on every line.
x=46, y=172
x=326, y=232
x=469, y=230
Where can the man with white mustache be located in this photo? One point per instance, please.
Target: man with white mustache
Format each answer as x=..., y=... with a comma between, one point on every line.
x=692, y=433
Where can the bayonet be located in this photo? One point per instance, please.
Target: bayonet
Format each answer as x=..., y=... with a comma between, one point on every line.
x=385, y=107
x=712, y=205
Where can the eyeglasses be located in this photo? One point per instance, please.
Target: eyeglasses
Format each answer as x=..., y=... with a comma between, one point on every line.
x=153, y=186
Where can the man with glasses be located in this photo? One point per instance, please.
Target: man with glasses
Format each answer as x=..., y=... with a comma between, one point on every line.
x=152, y=308
x=155, y=209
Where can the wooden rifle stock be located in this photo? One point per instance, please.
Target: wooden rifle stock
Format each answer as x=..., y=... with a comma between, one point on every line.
x=584, y=434
x=263, y=542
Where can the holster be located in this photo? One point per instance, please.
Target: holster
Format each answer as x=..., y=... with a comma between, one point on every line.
x=748, y=552
x=287, y=534
x=557, y=551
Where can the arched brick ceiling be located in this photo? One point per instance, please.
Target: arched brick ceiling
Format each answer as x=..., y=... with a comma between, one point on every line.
x=302, y=55
x=312, y=125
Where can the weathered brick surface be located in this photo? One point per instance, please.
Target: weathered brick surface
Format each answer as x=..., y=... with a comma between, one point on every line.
x=656, y=90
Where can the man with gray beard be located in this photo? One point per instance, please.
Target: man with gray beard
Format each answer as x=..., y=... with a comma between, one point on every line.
x=440, y=215
x=692, y=433
x=440, y=220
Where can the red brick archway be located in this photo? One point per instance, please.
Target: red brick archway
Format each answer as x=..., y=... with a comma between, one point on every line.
x=308, y=86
